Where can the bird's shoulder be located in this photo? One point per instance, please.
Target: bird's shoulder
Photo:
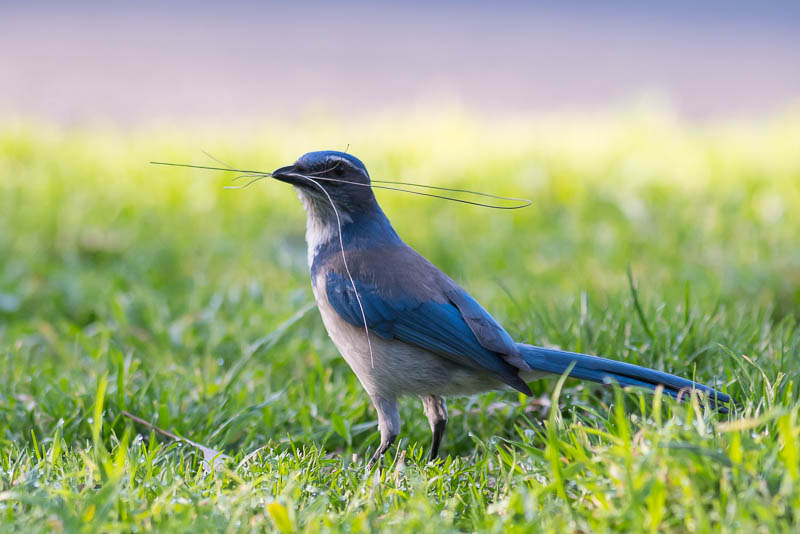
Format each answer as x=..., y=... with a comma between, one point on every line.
x=395, y=271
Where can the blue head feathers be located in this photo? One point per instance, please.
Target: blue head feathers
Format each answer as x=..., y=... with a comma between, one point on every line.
x=324, y=159
x=329, y=176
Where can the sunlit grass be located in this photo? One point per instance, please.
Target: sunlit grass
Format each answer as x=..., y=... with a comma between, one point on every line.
x=129, y=287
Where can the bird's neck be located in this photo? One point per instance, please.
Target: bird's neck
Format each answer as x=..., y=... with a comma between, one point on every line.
x=320, y=232
x=364, y=230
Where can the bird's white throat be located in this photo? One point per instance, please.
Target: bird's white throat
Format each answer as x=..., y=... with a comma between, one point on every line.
x=322, y=224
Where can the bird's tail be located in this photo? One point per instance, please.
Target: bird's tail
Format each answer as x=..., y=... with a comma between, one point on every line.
x=603, y=371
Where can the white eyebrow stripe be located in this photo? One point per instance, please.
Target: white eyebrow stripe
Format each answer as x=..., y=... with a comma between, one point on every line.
x=338, y=160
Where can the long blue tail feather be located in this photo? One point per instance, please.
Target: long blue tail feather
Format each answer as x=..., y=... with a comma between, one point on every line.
x=603, y=371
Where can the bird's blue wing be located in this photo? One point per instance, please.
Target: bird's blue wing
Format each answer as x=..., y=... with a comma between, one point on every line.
x=488, y=332
x=449, y=326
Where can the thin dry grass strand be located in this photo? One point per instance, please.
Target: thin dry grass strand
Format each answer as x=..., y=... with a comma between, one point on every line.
x=211, y=457
x=217, y=160
x=524, y=201
x=346, y=267
x=452, y=189
x=258, y=175
x=243, y=171
x=245, y=176
x=410, y=184
x=256, y=178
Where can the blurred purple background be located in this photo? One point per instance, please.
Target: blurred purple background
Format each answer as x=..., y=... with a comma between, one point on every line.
x=132, y=62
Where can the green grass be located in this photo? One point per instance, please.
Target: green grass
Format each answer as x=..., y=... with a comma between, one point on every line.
x=128, y=287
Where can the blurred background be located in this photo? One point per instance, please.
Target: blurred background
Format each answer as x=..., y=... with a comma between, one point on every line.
x=149, y=61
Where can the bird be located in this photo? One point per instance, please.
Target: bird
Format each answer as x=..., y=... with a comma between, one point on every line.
x=404, y=327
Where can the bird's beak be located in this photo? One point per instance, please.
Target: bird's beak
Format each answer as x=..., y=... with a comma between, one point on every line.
x=289, y=175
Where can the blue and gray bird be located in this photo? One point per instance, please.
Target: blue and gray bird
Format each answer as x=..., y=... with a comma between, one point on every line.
x=405, y=327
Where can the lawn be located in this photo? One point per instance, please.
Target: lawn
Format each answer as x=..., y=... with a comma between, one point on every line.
x=127, y=288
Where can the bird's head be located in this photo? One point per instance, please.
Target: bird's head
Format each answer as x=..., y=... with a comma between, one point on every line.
x=326, y=177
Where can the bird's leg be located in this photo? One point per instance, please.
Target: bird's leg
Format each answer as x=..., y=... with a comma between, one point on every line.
x=388, y=424
x=436, y=410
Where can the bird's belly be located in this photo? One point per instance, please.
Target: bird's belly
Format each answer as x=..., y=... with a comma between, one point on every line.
x=395, y=368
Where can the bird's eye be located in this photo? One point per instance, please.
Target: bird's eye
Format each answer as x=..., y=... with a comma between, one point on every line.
x=338, y=171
